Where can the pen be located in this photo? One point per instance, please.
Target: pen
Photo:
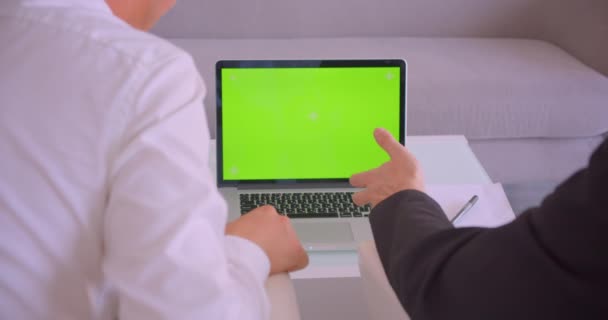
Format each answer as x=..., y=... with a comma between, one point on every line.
x=464, y=209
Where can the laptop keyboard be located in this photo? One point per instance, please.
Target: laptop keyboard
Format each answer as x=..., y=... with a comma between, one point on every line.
x=306, y=205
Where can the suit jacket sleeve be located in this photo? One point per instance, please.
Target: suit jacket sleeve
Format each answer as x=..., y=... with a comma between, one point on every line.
x=550, y=263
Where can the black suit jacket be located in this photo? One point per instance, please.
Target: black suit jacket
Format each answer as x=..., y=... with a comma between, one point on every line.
x=549, y=263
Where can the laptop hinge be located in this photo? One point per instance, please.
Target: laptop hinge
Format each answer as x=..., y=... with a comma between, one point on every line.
x=311, y=185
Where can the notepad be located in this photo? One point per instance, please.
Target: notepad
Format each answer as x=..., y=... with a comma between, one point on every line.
x=491, y=210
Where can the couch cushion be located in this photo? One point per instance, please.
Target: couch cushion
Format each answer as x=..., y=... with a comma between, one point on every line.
x=482, y=88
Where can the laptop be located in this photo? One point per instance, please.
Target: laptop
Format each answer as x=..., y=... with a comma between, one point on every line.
x=290, y=133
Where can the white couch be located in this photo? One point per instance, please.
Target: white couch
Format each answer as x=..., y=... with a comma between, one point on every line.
x=525, y=81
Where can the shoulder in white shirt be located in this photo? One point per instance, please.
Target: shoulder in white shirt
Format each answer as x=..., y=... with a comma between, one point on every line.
x=107, y=206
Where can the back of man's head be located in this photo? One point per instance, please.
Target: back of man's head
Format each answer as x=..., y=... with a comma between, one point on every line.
x=141, y=14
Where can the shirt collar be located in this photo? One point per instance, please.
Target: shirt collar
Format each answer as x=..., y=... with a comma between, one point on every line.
x=100, y=5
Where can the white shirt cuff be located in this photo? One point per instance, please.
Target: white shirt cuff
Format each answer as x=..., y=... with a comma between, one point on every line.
x=248, y=254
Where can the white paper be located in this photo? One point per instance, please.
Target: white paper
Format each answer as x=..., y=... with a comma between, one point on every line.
x=492, y=209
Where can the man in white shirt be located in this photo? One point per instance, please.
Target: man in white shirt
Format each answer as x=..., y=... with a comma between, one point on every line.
x=107, y=206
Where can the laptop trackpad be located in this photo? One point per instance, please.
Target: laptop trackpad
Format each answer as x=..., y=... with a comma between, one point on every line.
x=320, y=232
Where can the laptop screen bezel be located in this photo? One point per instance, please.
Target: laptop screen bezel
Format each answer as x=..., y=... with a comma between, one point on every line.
x=304, y=183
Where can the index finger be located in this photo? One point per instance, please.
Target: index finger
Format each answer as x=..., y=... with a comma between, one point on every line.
x=360, y=180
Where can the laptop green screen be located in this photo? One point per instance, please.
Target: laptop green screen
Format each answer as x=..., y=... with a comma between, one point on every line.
x=305, y=123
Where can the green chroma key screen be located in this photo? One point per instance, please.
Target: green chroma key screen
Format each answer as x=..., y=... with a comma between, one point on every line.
x=291, y=123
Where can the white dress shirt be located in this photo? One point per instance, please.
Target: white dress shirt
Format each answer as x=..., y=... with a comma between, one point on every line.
x=107, y=205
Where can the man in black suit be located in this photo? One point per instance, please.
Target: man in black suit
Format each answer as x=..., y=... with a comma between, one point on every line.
x=549, y=263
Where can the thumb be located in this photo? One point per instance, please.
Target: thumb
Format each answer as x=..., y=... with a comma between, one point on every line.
x=388, y=142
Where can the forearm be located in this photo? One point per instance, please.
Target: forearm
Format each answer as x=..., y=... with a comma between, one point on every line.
x=401, y=224
x=192, y=281
x=406, y=218
x=437, y=271
x=520, y=270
